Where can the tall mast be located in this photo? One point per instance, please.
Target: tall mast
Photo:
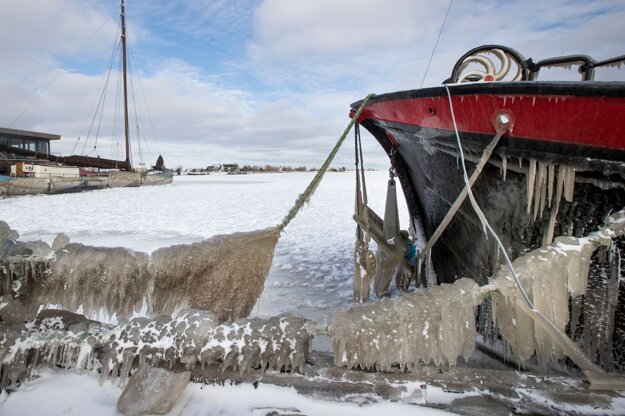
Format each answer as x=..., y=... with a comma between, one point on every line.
x=126, y=127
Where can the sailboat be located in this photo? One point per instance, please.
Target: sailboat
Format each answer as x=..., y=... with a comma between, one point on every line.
x=65, y=175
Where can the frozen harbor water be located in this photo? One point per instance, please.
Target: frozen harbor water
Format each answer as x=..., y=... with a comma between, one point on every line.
x=312, y=268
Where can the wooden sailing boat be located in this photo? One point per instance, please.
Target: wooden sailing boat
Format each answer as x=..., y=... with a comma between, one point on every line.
x=27, y=179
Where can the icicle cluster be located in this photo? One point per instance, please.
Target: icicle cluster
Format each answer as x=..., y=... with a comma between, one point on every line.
x=541, y=185
x=549, y=275
x=18, y=272
x=54, y=338
x=224, y=274
x=60, y=338
x=435, y=324
x=21, y=265
x=97, y=277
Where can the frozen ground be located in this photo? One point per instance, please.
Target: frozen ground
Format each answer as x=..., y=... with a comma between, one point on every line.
x=61, y=393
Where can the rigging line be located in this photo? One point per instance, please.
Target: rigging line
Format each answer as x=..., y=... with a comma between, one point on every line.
x=100, y=101
x=142, y=92
x=304, y=197
x=133, y=100
x=357, y=163
x=99, y=109
x=103, y=99
x=136, y=113
x=362, y=168
x=113, y=147
x=436, y=43
x=100, y=87
x=58, y=72
x=75, y=145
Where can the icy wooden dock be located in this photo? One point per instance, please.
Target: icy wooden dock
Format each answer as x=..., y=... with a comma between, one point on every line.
x=479, y=387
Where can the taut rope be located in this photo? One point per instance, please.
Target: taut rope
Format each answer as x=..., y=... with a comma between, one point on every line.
x=312, y=187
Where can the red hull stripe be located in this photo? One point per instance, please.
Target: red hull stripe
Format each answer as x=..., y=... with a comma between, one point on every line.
x=587, y=121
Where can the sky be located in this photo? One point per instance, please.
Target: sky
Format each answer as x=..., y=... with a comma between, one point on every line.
x=257, y=81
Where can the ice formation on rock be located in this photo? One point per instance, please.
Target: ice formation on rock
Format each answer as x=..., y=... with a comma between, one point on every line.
x=60, y=338
x=60, y=241
x=435, y=324
x=224, y=274
x=6, y=233
x=114, y=279
x=549, y=275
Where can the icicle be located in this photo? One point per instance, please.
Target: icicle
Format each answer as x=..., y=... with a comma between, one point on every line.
x=569, y=183
x=531, y=178
x=504, y=166
x=540, y=190
x=548, y=233
x=550, y=180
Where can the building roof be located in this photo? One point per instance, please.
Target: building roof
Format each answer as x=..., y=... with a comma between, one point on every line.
x=29, y=134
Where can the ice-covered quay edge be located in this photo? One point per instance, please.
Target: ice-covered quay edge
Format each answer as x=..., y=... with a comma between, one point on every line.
x=530, y=262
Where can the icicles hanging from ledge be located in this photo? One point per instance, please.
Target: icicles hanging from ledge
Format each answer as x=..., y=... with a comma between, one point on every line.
x=543, y=180
x=69, y=340
x=435, y=324
x=224, y=274
x=549, y=275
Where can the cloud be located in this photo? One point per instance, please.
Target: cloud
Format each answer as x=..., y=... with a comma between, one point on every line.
x=267, y=82
x=35, y=36
x=287, y=29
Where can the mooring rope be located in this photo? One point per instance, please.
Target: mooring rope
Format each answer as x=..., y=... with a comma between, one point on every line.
x=463, y=194
x=312, y=187
x=478, y=210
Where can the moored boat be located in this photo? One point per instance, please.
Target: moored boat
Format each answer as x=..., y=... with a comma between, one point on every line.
x=553, y=157
x=114, y=174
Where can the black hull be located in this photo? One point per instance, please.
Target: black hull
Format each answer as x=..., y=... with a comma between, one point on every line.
x=430, y=174
x=428, y=166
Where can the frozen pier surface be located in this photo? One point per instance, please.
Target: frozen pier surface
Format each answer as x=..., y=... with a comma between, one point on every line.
x=479, y=387
x=194, y=338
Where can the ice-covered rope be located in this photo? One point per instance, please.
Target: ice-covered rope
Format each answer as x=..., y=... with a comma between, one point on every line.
x=463, y=194
x=478, y=210
x=312, y=187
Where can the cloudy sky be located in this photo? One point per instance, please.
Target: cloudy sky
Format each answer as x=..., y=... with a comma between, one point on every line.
x=258, y=81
